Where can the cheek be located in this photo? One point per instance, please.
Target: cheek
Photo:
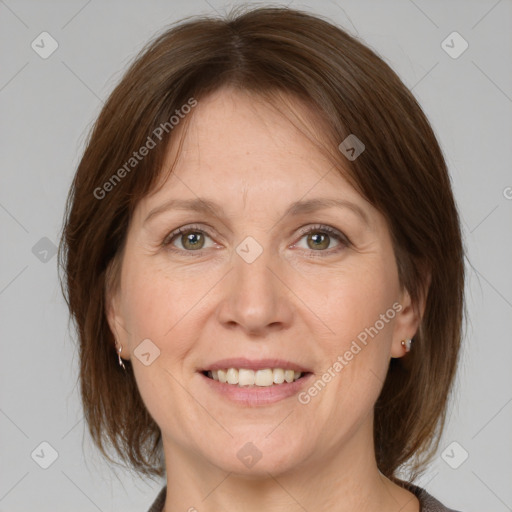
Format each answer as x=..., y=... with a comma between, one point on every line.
x=168, y=309
x=361, y=314
x=153, y=305
x=357, y=298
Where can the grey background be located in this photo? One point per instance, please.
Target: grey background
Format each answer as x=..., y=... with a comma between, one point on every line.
x=48, y=105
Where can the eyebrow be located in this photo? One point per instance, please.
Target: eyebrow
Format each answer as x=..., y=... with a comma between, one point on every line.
x=203, y=205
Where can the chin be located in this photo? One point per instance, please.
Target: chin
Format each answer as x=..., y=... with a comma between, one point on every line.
x=273, y=454
x=260, y=469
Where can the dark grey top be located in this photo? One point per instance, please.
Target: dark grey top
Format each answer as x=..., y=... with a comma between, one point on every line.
x=427, y=502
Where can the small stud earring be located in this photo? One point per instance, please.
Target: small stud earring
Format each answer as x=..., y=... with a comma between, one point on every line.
x=407, y=344
x=119, y=356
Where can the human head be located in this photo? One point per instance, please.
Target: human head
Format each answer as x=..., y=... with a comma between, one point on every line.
x=347, y=89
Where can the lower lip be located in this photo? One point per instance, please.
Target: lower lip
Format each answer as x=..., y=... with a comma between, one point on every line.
x=257, y=395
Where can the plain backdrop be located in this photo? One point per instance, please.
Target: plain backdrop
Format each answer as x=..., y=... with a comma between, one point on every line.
x=47, y=107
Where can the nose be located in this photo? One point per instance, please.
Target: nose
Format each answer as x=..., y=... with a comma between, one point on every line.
x=255, y=297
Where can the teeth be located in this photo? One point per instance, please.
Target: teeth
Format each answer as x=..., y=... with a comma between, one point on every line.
x=232, y=376
x=264, y=378
x=261, y=378
x=245, y=378
x=288, y=375
x=278, y=376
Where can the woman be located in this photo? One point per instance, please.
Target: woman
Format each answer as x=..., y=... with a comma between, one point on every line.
x=263, y=259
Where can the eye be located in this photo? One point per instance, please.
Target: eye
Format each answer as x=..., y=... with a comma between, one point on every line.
x=191, y=238
x=319, y=238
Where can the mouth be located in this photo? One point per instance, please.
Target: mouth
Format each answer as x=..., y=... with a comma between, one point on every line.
x=262, y=378
x=244, y=372
x=254, y=383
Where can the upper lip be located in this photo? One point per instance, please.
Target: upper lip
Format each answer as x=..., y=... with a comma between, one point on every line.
x=255, y=364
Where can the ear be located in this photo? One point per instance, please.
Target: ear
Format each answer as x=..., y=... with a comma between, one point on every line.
x=114, y=315
x=408, y=319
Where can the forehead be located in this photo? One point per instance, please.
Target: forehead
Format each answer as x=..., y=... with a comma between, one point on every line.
x=238, y=144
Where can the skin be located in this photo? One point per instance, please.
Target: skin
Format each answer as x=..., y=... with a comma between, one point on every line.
x=289, y=303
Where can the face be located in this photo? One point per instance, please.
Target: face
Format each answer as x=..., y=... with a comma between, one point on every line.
x=254, y=285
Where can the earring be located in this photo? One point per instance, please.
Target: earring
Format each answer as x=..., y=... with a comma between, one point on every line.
x=406, y=344
x=119, y=356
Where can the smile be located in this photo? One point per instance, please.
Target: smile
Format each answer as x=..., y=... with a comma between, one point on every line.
x=245, y=391
x=250, y=378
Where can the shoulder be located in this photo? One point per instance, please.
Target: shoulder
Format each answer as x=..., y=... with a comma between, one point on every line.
x=427, y=502
x=158, y=504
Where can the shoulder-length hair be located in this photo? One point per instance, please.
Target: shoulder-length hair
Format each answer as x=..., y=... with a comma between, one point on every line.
x=402, y=172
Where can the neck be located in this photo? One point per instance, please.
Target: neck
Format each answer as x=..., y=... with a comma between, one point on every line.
x=341, y=479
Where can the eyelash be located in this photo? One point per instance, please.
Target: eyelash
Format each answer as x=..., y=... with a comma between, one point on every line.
x=344, y=241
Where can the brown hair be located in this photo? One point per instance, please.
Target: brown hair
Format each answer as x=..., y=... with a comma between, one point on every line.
x=402, y=172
